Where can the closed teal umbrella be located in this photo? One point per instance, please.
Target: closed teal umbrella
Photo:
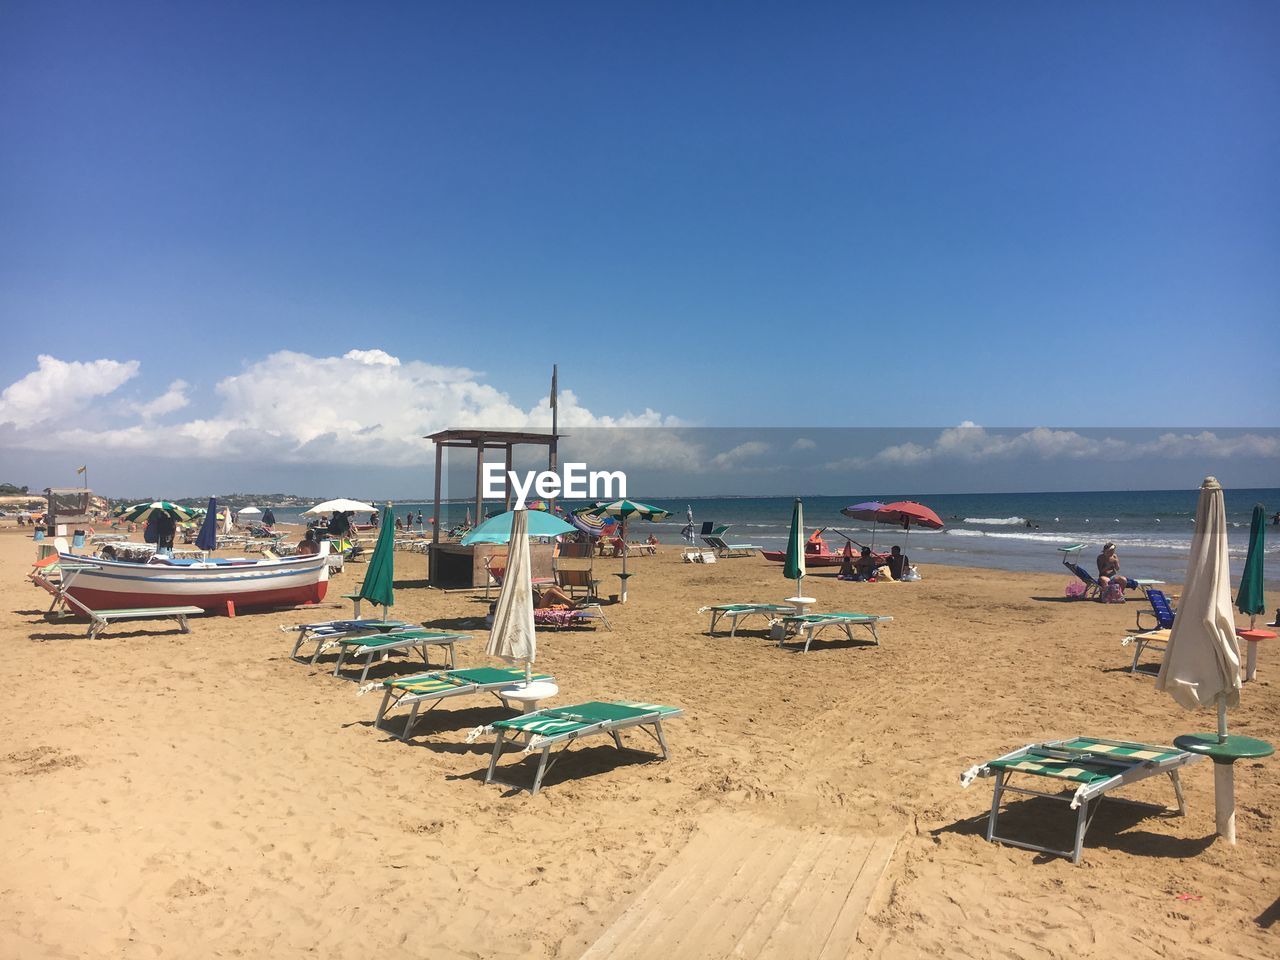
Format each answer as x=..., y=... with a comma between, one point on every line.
x=379, y=578
x=793, y=566
x=1249, y=598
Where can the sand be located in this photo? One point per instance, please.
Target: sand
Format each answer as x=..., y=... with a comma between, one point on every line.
x=203, y=796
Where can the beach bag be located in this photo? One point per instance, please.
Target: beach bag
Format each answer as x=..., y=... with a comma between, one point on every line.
x=883, y=573
x=1076, y=589
x=910, y=575
x=1114, y=593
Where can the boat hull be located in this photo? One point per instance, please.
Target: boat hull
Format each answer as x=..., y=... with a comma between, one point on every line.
x=810, y=559
x=115, y=585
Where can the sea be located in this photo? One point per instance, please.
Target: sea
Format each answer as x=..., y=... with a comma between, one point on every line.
x=1004, y=531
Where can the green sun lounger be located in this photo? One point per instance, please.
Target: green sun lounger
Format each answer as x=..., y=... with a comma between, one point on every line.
x=323, y=633
x=370, y=646
x=1088, y=769
x=736, y=611
x=811, y=624
x=437, y=687
x=545, y=729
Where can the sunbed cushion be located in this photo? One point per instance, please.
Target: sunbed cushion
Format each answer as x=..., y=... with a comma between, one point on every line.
x=818, y=617
x=739, y=607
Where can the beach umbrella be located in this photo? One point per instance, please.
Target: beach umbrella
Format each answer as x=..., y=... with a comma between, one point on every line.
x=1249, y=599
x=793, y=566
x=908, y=514
x=590, y=523
x=379, y=578
x=512, y=635
x=867, y=510
x=500, y=529
x=1201, y=666
x=538, y=505
x=207, y=538
x=141, y=512
x=341, y=505
x=624, y=510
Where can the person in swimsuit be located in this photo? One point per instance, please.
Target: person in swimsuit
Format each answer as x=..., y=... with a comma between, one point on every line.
x=1109, y=567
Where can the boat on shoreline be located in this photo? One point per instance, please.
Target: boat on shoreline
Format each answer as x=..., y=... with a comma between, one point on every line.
x=103, y=584
x=817, y=553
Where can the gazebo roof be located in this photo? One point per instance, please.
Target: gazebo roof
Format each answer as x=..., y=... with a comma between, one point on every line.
x=469, y=437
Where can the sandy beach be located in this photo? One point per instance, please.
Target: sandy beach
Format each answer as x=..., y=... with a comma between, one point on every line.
x=202, y=795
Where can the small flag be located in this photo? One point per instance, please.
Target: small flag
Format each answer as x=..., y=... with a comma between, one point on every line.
x=83, y=469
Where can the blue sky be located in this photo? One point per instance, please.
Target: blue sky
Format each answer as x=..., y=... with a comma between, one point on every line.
x=923, y=213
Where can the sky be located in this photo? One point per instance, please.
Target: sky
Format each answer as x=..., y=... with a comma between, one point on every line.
x=261, y=244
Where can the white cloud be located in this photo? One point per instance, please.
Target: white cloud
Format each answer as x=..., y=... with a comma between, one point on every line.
x=970, y=443
x=740, y=453
x=804, y=443
x=366, y=406
x=57, y=389
x=173, y=399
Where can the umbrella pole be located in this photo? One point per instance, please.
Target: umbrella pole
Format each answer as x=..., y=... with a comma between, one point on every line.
x=1224, y=784
x=623, y=526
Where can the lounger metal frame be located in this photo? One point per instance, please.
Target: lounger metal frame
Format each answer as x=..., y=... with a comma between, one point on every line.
x=1082, y=799
x=810, y=628
x=393, y=697
x=543, y=745
x=418, y=641
x=1157, y=639
x=770, y=611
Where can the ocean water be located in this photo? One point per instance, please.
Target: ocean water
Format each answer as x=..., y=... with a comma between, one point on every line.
x=1151, y=529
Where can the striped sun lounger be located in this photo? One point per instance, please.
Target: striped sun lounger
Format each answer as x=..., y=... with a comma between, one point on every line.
x=1092, y=767
x=811, y=624
x=322, y=633
x=437, y=687
x=418, y=641
x=733, y=612
x=545, y=729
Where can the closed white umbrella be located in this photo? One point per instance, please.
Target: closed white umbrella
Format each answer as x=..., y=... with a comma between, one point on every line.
x=1201, y=666
x=512, y=637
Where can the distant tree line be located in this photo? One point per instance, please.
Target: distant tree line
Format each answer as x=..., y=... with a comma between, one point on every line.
x=10, y=490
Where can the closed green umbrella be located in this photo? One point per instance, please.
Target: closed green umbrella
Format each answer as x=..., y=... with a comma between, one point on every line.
x=793, y=566
x=1249, y=598
x=379, y=578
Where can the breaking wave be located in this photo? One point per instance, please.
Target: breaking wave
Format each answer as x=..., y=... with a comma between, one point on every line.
x=997, y=521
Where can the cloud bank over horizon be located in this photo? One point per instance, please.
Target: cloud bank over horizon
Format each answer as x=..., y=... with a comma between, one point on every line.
x=294, y=422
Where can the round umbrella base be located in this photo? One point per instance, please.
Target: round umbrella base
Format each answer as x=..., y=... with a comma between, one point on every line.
x=1224, y=753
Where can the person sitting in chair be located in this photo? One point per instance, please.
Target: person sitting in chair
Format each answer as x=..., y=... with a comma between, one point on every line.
x=898, y=563
x=1109, y=568
x=866, y=564
x=309, y=545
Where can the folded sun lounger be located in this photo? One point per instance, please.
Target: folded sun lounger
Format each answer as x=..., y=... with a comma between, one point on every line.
x=810, y=624
x=545, y=729
x=1094, y=767
x=437, y=687
x=735, y=611
x=369, y=646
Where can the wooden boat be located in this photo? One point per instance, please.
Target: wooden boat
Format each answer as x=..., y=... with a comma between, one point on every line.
x=102, y=584
x=817, y=553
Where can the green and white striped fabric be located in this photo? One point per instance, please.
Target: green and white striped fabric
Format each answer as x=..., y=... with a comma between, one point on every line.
x=1089, y=761
x=140, y=512
x=561, y=720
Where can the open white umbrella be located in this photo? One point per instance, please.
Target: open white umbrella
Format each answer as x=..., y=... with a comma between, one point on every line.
x=512, y=636
x=1201, y=666
x=342, y=505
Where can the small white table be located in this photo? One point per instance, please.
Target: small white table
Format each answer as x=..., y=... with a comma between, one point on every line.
x=802, y=604
x=527, y=695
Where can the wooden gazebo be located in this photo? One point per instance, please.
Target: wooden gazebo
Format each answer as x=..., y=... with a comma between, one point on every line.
x=452, y=564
